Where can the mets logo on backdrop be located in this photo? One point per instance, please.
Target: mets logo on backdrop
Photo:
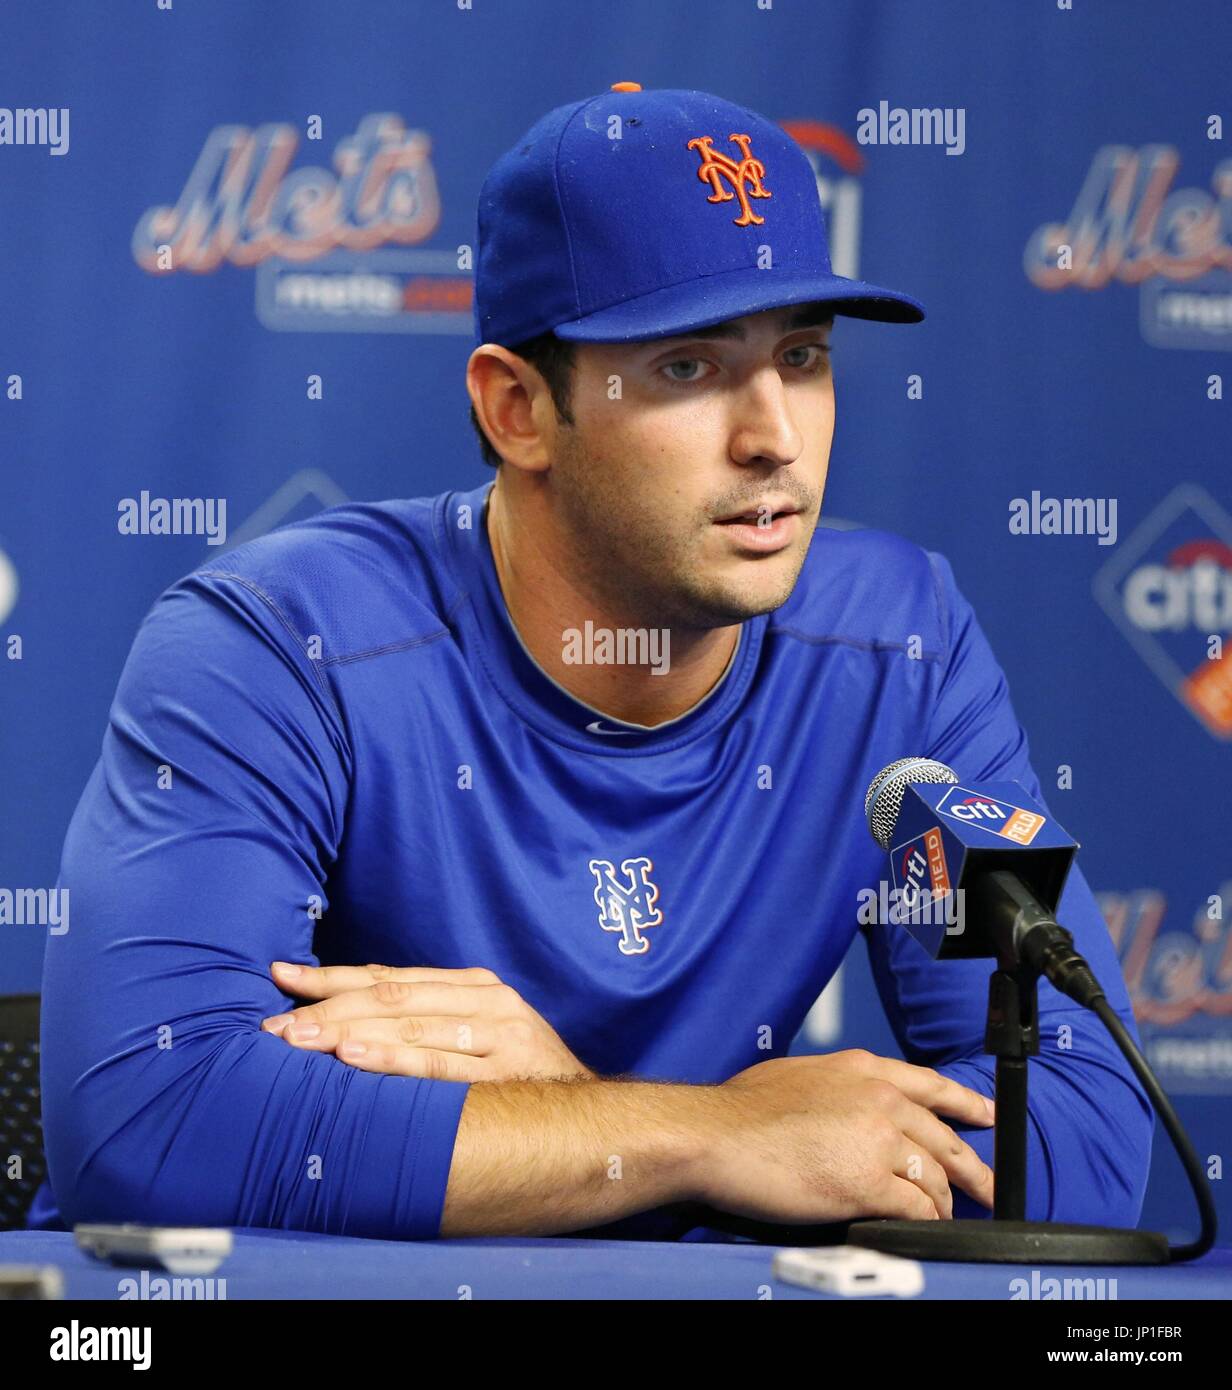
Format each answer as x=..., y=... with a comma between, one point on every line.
x=626, y=902
x=1129, y=224
x=1179, y=980
x=330, y=246
x=1169, y=590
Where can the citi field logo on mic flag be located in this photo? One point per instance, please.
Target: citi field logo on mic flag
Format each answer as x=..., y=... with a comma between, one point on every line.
x=931, y=861
x=997, y=817
x=946, y=834
x=921, y=876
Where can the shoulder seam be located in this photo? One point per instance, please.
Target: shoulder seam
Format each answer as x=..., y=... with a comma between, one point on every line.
x=859, y=643
x=265, y=598
x=405, y=645
x=318, y=665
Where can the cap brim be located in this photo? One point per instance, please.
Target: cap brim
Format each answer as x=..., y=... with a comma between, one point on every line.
x=732, y=294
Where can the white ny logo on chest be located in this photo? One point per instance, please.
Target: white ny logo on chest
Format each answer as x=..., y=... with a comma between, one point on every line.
x=627, y=904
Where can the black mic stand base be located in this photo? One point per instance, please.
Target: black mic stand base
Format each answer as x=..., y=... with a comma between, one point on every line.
x=1012, y=1037
x=1011, y=1242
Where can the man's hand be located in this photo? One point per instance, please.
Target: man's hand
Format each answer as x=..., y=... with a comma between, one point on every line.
x=446, y=1025
x=841, y=1136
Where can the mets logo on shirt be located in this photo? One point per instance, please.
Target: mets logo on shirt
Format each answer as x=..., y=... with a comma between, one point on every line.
x=626, y=901
x=997, y=817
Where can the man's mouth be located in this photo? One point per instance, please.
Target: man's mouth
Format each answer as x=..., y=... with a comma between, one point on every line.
x=762, y=530
x=764, y=514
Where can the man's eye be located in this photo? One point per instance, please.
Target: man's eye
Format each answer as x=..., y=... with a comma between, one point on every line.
x=683, y=362
x=821, y=349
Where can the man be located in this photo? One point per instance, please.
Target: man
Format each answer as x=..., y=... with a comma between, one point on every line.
x=577, y=758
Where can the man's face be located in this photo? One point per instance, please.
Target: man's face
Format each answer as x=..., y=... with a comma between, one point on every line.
x=672, y=437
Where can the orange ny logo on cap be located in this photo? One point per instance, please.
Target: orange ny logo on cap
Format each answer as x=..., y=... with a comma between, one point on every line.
x=716, y=165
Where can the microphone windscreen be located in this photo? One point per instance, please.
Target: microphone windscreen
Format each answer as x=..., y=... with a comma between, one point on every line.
x=884, y=797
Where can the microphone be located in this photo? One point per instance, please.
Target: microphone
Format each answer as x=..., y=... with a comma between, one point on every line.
x=1004, y=856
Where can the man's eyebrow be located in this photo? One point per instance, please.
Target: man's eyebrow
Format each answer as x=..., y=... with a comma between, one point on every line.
x=810, y=316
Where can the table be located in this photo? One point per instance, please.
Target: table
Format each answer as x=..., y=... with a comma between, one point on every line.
x=303, y=1265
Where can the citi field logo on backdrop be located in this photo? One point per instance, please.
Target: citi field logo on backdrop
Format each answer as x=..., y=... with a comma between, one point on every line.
x=1128, y=223
x=1169, y=590
x=312, y=233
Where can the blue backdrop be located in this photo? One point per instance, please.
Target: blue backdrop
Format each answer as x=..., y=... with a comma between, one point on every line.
x=234, y=264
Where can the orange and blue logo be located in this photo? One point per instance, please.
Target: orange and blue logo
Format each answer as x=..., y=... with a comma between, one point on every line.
x=334, y=249
x=921, y=867
x=1130, y=224
x=747, y=170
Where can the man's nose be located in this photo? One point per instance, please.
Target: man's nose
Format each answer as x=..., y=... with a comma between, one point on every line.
x=763, y=429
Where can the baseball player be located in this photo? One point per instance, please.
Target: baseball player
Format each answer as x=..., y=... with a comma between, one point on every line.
x=468, y=864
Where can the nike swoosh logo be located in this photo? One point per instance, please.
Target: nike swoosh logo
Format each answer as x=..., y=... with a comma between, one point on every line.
x=597, y=728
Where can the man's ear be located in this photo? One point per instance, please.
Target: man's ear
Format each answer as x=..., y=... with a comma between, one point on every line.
x=513, y=404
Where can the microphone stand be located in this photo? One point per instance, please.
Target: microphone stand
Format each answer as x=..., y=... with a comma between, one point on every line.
x=1013, y=925
x=1007, y=913
x=1012, y=1035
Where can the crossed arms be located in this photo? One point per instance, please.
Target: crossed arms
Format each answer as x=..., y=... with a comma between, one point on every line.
x=166, y=1100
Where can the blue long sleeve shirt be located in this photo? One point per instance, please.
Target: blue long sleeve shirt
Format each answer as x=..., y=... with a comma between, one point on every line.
x=330, y=745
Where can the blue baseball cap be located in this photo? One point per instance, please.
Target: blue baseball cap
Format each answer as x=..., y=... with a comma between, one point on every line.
x=645, y=214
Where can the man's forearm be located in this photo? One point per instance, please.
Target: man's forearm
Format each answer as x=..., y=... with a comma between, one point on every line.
x=543, y=1157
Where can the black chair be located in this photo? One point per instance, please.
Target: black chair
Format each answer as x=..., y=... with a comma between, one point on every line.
x=21, y=1123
